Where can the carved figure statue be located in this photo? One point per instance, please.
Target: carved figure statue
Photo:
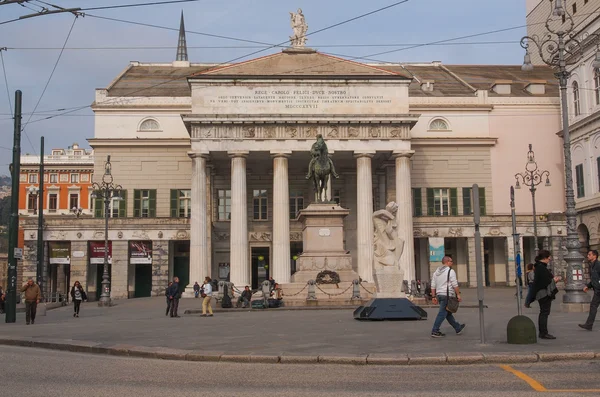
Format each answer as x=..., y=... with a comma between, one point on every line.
x=320, y=167
x=388, y=248
x=300, y=28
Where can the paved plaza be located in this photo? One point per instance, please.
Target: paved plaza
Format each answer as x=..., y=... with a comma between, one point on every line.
x=142, y=322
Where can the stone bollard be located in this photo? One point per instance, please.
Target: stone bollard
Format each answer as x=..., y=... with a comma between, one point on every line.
x=521, y=330
x=266, y=290
x=312, y=293
x=222, y=286
x=355, y=290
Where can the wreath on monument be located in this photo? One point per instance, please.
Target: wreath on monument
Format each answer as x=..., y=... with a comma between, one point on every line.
x=328, y=277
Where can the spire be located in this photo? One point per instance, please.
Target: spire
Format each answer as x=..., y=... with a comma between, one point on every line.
x=182, y=45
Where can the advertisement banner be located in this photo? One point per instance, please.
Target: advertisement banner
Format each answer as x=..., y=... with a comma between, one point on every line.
x=436, y=249
x=60, y=252
x=97, y=252
x=140, y=252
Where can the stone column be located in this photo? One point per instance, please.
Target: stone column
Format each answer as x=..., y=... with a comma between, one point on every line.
x=364, y=215
x=199, y=266
x=119, y=274
x=160, y=267
x=240, y=267
x=280, y=262
x=405, y=213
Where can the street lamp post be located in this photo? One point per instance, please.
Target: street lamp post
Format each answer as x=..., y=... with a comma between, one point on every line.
x=107, y=191
x=532, y=177
x=559, y=49
x=33, y=191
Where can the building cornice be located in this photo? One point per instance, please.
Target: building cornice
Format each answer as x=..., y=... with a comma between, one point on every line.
x=172, y=142
x=453, y=141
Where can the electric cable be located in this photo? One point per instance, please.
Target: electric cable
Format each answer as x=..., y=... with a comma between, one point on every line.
x=6, y=82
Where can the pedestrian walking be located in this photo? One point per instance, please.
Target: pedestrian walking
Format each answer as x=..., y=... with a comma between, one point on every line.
x=543, y=278
x=174, y=296
x=443, y=285
x=594, y=285
x=196, y=289
x=529, y=274
x=207, y=295
x=168, y=299
x=32, y=298
x=78, y=295
x=2, y=297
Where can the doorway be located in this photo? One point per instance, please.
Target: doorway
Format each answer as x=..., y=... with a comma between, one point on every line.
x=143, y=280
x=260, y=266
x=181, y=264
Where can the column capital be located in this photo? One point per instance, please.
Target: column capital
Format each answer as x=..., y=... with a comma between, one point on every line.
x=238, y=153
x=193, y=155
x=403, y=153
x=281, y=153
x=366, y=153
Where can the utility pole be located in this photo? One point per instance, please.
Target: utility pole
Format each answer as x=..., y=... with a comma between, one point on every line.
x=13, y=229
x=40, y=274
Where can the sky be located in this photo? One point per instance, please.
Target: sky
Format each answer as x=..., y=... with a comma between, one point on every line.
x=34, y=44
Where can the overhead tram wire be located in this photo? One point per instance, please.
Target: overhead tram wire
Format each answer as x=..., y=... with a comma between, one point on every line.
x=237, y=58
x=6, y=80
x=48, y=82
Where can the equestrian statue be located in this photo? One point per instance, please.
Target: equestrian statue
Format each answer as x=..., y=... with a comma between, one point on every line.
x=320, y=168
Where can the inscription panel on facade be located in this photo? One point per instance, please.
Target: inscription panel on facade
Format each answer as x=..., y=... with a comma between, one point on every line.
x=366, y=98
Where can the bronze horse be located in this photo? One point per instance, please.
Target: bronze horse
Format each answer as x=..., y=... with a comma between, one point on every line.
x=320, y=168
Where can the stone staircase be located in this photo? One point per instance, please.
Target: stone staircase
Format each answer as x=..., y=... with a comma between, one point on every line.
x=295, y=294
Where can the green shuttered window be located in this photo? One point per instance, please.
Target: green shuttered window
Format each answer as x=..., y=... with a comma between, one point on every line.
x=468, y=201
x=442, y=202
x=417, y=201
x=144, y=203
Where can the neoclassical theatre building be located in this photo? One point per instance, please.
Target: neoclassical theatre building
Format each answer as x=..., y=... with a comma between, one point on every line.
x=213, y=162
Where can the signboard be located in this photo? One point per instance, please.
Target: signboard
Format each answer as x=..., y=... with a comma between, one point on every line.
x=436, y=249
x=60, y=252
x=97, y=252
x=18, y=253
x=140, y=252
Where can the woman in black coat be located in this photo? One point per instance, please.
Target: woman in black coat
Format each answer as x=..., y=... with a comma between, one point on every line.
x=543, y=277
x=78, y=295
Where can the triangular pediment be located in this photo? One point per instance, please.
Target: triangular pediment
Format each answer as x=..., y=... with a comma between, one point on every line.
x=303, y=64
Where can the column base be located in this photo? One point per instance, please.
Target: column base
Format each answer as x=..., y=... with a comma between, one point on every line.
x=575, y=297
x=574, y=307
x=189, y=292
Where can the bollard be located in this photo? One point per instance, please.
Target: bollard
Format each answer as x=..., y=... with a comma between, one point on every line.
x=413, y=287
x=312, y=293
x=405, y=287
x=355, y=290
x=266, y=290
x=220, y=291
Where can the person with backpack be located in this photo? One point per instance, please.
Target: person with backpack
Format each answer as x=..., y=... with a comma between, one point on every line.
x=207, y=295
x=594, y=285
x=443, y=286
x=530, y=291
x=78, y=295
x=544, y=293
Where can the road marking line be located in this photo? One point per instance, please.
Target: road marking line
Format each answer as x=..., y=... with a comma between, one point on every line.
x=574, y=390
x=535, y=385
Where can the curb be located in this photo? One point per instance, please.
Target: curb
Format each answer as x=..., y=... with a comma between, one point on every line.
x=359, y=359
x=307, y=308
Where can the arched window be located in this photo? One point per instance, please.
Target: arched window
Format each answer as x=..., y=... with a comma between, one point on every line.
x=597, y=85
x=439, y=125
x=149, y=125
x=576, y=103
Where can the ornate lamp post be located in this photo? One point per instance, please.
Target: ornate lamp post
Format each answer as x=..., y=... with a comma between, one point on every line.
x=33, y=191
x=532, y=177
x=107, y=191
x=559, y=49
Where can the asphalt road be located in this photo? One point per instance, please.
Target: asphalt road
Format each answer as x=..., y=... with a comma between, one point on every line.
x=35, y=372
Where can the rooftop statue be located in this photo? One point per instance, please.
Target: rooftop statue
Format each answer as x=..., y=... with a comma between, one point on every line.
x=320, y=168
x=300, y=28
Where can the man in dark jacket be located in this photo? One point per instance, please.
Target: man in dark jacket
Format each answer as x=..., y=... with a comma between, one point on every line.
x=594, y=284
x=173, y=294
x=32, y=298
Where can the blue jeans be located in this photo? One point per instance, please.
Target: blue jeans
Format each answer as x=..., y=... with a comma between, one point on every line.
x=444, y=314
x=530, y=295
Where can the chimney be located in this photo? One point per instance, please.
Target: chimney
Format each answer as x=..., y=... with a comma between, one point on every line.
x=427, y=85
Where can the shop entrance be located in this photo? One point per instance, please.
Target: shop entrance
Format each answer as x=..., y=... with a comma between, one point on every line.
x=260, y=266
x=181, y=264
x=143, y=280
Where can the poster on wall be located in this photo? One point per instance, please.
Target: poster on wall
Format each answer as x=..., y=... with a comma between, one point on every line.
x=140, y=252
x=97, y=252
x=60, y=252
x=436, y=249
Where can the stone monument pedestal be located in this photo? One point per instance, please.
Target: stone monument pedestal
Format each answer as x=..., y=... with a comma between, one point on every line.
x=389, y=280
x=323, y=243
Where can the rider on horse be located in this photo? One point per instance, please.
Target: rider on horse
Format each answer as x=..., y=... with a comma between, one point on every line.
x=319, y=148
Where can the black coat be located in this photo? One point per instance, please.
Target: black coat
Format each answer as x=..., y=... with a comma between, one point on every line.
x=595, y=276
x=542, y=276
x=83, y=294
x=173, y=291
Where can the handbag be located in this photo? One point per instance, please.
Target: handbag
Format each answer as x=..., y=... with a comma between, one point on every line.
x=549, y=291
x=453, y=303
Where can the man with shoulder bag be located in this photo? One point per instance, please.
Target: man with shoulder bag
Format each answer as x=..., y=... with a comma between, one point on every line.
x=445, y=291
x=594, y=285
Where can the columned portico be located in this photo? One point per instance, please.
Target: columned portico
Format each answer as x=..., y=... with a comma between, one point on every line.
x=364, y=214
x=281, y=219
x=199, y=253
x=240, y=269
x=405, y=212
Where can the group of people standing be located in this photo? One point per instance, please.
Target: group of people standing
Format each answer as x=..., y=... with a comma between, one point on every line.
x=173, y=294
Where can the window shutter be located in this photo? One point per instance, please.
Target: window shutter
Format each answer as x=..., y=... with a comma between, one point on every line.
x=430, y=209
x=123, y=205
x=98, y=208
x=137, y=203
x=174, y=206
x=152, y=203
x=467, y=210
x=417, y=202
x=453, y=202
x=482, y=201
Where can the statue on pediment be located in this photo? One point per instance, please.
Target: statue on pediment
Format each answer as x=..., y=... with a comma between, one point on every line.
x=300, y=28
x=320, y=168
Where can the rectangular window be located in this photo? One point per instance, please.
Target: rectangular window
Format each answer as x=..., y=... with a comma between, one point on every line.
x=74, y=178
x=336, y=197
x=296, y=203
x=33, y=178
x=260, y=205
x=468, y=201
x=53, y=178
x=181, y=202
x=579, y=180
x=144, y=203
x=224, y=205
x=52, y=202
x=31, y=202
x=417, y=202
x=442, y=202
x=73, y=200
